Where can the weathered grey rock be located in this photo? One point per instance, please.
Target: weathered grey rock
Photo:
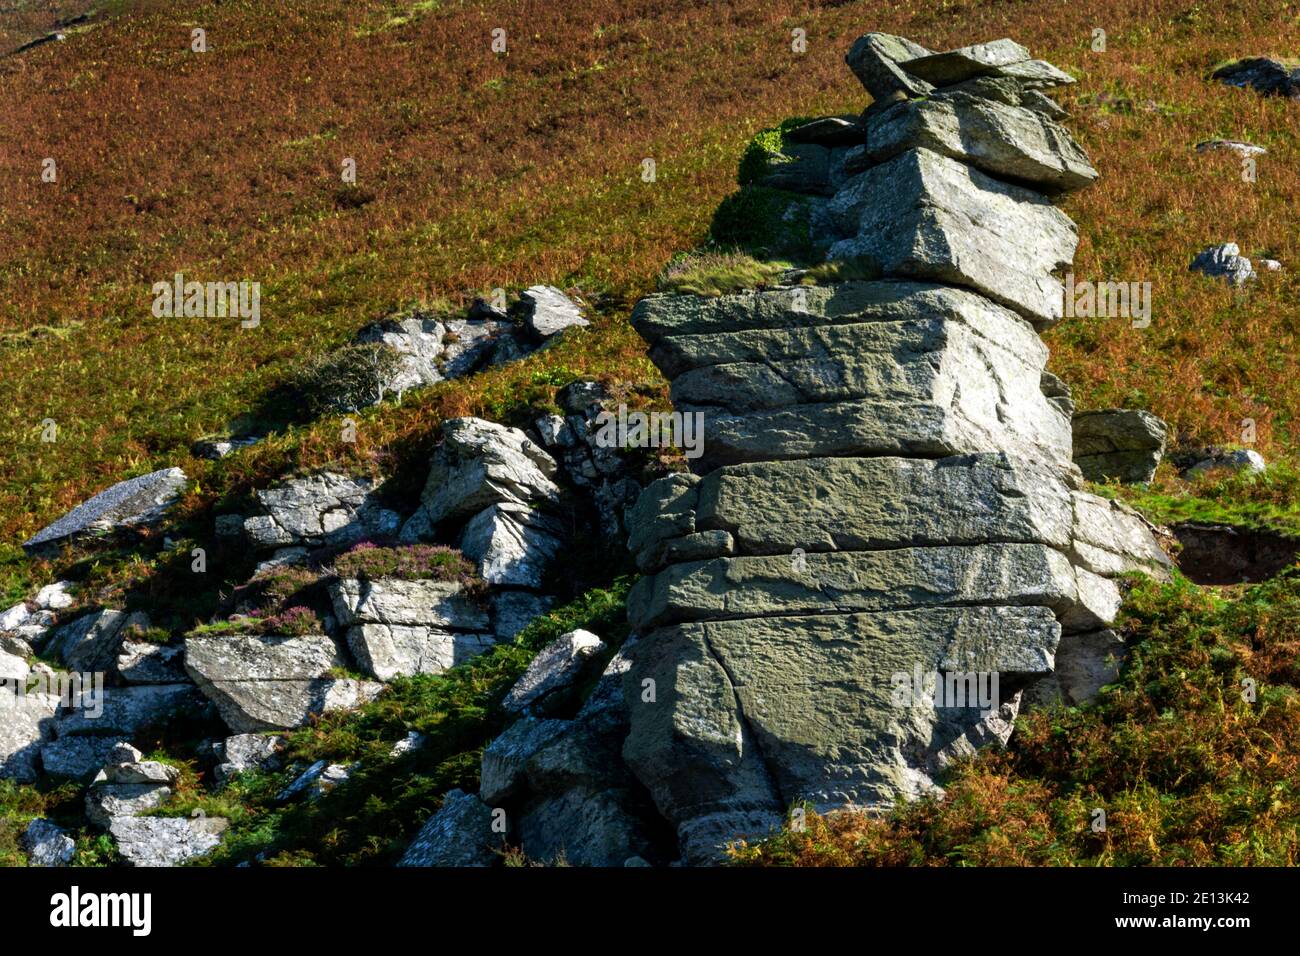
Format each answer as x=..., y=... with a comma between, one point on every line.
x=505, y=760
x=15, y=617
x=261, y=683
x=864, y=504
x=79, y=757
x=430, y=350
x=248, y=752
x=512, y=611
x=922, y=215
x=14, y=667
x=127, y=504
x=481, y=463
x=1010, y=142
x=413, y=741
x=107, y=802
x=316, y=781
x=125, y=765
x=548, y=311
x=839, y=582
x=90, y=643
x=220, y=446
x=400, y=627
x=692, y=748
x=1035, y=74
x=1231, y=145
x=1264, y=75
x=554, y=668
x=886, y=512
x=968, y=62
x=126, y=711
x=817, y=695
x=511, y=544
x=875, y=60
x=386, y=651
x=1242, y=459
x=166, y=841
x=800, y=168
x=26, y=722
x=395, y=601
x=935, y=386
x=55, y=597
x=1224, y=261
x=459, y=834
x=325, y=508
x=144, y=662
x=1121, y=444
x=582, y=828
x=829, y=131
x=1110, y=538
x=1085, y=663
x=46, y=844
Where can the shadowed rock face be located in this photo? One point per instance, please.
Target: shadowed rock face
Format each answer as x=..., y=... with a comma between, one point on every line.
x=886, y=501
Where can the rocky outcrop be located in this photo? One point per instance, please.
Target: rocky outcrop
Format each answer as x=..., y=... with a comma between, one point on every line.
x=1119, y=444
x=128, y=504
x=262, y=682
x=397, y=627
x=885, y=542
x=321, y=509
x=461, y=833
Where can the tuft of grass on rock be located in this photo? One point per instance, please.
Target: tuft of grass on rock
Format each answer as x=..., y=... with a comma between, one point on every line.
x=713, y=274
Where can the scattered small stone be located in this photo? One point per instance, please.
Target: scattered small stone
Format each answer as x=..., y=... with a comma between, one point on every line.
x=1239, y=460
x=547, y=311
x=1232, y=145
x=1224, y=261
x=46, y=844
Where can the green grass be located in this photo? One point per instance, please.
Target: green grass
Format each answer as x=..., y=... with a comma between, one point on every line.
x=1268, y=501
x=712, y=274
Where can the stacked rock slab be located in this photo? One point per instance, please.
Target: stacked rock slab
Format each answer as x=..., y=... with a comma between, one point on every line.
x=886, y=490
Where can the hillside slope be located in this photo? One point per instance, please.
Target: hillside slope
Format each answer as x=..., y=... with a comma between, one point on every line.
x=479, y=170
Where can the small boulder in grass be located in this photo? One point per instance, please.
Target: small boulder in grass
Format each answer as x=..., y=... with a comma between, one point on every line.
x=47, y=845
x=556, y=668
x=547, y=311
x=1224, y=261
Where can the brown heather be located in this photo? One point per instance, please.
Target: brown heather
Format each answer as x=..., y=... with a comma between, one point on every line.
x=507, y=170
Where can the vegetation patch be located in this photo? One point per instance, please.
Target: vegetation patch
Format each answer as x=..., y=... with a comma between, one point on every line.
x=712, y=274
x=415, y=562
